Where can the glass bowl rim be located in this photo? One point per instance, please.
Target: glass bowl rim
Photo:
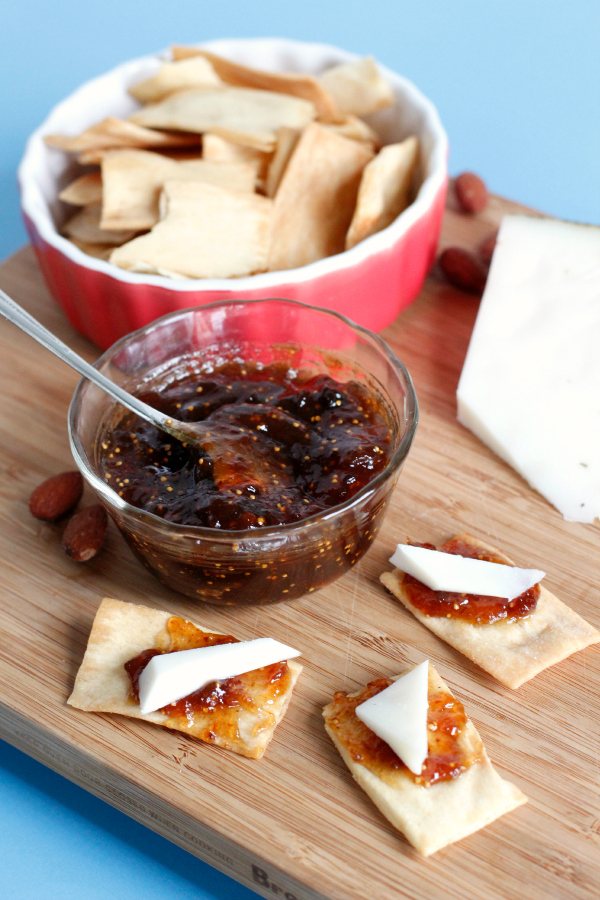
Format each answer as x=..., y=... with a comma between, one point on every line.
x=227, y=535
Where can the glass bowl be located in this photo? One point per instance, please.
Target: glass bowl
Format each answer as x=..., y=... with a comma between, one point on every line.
x=258, y=565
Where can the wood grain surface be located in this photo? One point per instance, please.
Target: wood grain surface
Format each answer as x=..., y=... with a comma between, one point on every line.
x=294, y=824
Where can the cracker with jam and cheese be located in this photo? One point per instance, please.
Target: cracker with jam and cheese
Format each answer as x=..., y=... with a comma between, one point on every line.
x=239, y=713
x=511, y=638
x=420, y=759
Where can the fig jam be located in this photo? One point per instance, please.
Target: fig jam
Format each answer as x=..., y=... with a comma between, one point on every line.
x=294, y=446
x=215, y=712
x=473, y=608
x=452, y=747
x=302, y=471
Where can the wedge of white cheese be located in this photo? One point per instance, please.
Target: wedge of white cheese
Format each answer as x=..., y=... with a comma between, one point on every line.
x=398, y=715
x=530, y=385
x=171, y=676
x=463, y=575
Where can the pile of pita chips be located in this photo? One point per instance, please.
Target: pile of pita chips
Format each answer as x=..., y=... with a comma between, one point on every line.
x=182, y=184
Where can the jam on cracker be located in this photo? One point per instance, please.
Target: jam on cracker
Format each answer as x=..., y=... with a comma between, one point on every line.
x=472, y=608
x=452, y=746
x=215, y=709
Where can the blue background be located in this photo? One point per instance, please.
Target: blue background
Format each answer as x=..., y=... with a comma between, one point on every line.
x=517, y=84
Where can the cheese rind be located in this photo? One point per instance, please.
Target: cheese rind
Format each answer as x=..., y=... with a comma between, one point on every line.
x=171, y=676
x=463, y=575
x=398, y=715
x=530, y=385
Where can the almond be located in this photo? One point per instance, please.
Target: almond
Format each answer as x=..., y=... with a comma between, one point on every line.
x=487, y=247
x=471, y=192
x=463, y=270
x=56, y=496
x=85, y=532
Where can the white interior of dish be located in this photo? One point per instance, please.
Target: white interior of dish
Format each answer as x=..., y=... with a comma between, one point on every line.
x=44, y=171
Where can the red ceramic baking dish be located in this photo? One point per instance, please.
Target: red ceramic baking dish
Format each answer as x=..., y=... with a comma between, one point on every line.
x=371, y=283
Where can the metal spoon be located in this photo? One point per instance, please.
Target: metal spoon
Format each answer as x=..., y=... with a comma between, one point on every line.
x=230, y=468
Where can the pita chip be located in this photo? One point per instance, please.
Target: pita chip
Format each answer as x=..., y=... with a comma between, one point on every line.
x=112, y=133
x=195, y=72
x=316, y=198
x=355, y=129
x=133, y=180
x=84, y=227
x=385, y=190
x=287, y=139
x=84, y=190
x=99, y=251
x=217, y=149
x=242, y=115
x=205, y=232
x=295, y=84
x=357, y=88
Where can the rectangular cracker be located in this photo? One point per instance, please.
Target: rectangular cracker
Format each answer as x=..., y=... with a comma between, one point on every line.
x=357, y=87
x=316, y=197
x=84, y=190
x=432, y=817
x=123, y=630
x=217, y=149
x=133, y=180
x=287, y=139
x=113, y=132
x=242, y=115
x=294, y=83
x=205, y=232
x=99, y=251
x=84, y=227
x=385, y=190
x=175, y=76
x=356, y=129
x=513, y=652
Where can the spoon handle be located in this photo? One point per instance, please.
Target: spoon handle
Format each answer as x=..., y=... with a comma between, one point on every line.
x=26, y=322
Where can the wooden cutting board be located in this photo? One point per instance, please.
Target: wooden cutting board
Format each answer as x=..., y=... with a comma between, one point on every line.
x=294, y=825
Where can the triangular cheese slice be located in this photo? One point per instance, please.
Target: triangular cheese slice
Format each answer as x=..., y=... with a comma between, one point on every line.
x=398, y=715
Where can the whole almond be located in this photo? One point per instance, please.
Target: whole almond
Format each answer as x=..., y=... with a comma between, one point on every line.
x=471, y=192
x=56, y=496
x=85, y=532
x=463, y=270
x=487, y=247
